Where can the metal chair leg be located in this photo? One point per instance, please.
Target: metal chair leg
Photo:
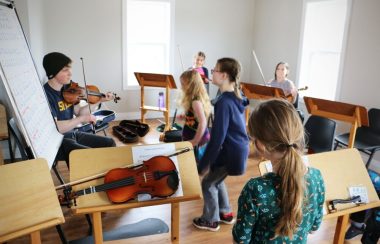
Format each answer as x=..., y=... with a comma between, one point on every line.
x=336, y=145
x=57, y=173
x=89, y=224
x=370, y=158
x=61, y=234
x=12, y=158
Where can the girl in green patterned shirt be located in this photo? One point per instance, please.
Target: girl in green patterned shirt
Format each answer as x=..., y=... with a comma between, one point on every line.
x=286, y=205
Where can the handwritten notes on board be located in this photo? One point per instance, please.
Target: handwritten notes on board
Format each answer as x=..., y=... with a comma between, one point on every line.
x=20, y=79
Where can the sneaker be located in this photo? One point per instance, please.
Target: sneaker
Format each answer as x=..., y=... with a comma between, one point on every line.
x=205, y=225
x=227, y=218
x=353, y=231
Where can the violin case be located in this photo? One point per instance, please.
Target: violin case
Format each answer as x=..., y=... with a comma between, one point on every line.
x=103, y=117
x=135, y=126
x=172, y=136
x=124, y=134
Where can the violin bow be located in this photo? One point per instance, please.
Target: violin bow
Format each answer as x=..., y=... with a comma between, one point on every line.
x=100, y=175
x=258, y=65
x=85, y=88
x=180, y=57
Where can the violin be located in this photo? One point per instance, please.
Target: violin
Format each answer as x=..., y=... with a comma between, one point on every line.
x=290, y=97
x=157, y=176
x=74, y=93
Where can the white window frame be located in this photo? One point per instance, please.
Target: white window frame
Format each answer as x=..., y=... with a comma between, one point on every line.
x=343, y=51
x=126, y=86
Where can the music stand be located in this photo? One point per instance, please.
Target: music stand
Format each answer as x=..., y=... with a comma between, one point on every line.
x=160, y=81
x=260, y=92
x=356, y=115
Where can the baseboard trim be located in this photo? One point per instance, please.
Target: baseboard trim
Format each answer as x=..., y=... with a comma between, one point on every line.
x=137, y=115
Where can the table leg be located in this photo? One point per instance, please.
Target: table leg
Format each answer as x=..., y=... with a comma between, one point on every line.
x=175, y=223
x=246, y=116
x=340, y=230
x=97, y=227
x=35, y=237
x=1, y=156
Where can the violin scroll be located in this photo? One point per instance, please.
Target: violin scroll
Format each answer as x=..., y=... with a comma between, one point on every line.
x=115, y=97
x=68, y=198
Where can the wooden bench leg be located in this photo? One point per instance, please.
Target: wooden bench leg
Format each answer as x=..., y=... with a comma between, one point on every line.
x=35, y=237
x=340, y=230
x=97, y=227
x=175, y=223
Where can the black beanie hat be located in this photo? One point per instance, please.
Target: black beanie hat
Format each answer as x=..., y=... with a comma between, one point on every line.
x=54, y=62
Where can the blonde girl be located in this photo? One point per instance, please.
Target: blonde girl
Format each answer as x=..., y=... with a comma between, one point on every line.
x=283, y=206
x=196, y=103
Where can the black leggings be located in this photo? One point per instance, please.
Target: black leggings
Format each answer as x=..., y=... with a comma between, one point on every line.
x=81, y=140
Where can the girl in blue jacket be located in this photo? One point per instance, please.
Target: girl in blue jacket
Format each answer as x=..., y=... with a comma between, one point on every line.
x=228, y=148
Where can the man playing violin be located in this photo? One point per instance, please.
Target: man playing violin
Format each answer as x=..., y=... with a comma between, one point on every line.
x=58, y=71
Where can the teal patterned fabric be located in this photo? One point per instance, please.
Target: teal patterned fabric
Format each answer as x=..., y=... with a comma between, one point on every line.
x=259, y=211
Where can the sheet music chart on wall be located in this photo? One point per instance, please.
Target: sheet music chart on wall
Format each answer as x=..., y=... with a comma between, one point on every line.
x=20, y=79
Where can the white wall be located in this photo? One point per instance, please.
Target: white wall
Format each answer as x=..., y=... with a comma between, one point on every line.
x=360, y=81
x=218, y=27
x=276, y=35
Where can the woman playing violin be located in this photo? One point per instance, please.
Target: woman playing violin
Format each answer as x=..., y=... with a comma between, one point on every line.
x=281, y=80
x=58, y=71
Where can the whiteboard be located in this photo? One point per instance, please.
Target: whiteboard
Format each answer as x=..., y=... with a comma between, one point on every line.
x=20, y=79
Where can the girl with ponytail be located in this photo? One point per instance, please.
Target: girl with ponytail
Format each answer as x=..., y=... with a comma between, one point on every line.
x=227, y=151
x=286, y=205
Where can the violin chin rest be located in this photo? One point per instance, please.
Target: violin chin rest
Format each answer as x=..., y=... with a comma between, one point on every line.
x=173, y=181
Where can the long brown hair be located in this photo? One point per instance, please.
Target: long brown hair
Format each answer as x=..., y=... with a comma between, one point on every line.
x=277, y=126
x=286, y=66
x=232, y=68
x=195, y=90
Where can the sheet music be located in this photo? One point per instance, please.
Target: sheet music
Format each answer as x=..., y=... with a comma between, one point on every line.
x=141, y=153
x=24, y=89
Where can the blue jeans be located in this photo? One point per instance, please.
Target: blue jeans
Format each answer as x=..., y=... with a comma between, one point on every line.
x=215, y=195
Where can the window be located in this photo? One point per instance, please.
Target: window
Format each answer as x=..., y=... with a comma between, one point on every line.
x=147, y=38
x=322, y=46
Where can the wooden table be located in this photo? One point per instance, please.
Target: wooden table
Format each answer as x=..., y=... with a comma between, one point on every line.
x=340, y=170
x=29, y=201
x=89, y=162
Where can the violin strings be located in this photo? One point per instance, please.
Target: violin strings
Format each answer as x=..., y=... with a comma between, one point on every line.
x=120, y=183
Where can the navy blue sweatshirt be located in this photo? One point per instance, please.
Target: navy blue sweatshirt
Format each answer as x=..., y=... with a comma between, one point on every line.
x=229, y=143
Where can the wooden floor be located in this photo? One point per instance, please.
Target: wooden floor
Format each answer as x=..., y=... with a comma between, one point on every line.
x=76, y=227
